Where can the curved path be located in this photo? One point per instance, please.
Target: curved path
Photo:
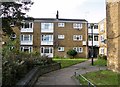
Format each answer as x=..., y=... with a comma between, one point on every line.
x=63, y=76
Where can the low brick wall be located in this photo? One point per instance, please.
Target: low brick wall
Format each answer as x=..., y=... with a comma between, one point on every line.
x=33, y=75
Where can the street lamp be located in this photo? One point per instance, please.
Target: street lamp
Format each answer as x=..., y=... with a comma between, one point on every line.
x=92, y=45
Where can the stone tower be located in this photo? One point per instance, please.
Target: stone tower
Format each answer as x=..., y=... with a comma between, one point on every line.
x=113, y=34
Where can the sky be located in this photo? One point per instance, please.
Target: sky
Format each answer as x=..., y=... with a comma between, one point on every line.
x=91, y=10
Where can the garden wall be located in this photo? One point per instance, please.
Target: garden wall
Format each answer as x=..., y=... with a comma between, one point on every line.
x=33, y=75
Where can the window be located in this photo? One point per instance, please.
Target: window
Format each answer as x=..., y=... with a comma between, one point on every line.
x=102, y=39
x=47, y=38
x=13, y=36
x=26, y=49
x=77, y=37
x=89, y=26
x=95, y=37
x=61, y=36
x=102, y=27
x=46, y=50
x=60, y=48
x=27, y=25
x=61, y=24
x=78, y=49
x=77, y=25
x=46, y=26
x=95, y=26
x=90, y=37
x=26, y=37
x=102, y=50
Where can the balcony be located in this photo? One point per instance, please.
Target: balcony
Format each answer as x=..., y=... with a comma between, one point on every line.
x=94, y=31
x=26, y=42
x=26, y=29
x=95, y=43
x=46, y=42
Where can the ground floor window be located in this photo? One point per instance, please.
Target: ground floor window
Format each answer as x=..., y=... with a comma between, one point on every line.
x=101, y=50
x=46, y=49
x=26, y=49
x=78, y=49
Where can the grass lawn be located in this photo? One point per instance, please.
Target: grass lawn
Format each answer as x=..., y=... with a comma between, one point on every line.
x=103, y=77
x=100, y=62
x=66, y=62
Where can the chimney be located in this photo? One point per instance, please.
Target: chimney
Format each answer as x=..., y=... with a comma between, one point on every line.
x=57, y=15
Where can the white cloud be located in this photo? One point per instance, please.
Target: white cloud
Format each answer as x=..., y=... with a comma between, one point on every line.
x=91, y=10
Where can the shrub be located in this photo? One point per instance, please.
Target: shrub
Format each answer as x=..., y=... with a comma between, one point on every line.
x=102, y=56
x=72, y=53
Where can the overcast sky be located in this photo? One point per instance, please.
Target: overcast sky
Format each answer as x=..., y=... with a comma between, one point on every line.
x=91, y=10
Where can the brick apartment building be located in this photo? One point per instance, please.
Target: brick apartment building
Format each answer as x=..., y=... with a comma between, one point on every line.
x=113, y=34
x=102, y=37
x=54, y=37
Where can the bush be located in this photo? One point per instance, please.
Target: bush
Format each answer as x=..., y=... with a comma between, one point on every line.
x=72, y=53
x=102, y=56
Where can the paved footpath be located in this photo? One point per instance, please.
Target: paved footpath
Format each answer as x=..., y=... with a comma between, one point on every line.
x=63, y=76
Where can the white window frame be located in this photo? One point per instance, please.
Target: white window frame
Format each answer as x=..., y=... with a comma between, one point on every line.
x=30, y=24
x=50, y=38
x=102, y=50
x=78, y=49
x=60, y=49
x=77, y=25
x=30, y=49
x=61, y=24
x=30, y=37
x=102, y=38
x=102, y=27
x=50, y=49
x=80, y=38
x=46, y=26
x=61, y=36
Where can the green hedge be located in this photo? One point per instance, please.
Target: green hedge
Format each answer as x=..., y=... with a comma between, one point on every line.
x=16, y=66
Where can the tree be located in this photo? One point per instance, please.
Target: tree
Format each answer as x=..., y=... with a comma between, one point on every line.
x=72, y=53
x=14, y=12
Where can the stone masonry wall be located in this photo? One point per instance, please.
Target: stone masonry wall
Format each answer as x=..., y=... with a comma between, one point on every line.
x=113, y=31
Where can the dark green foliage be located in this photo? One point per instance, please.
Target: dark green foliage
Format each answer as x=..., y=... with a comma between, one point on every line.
x=72, y=53
x=12, y=12
x=16, y=64
x=101, y=56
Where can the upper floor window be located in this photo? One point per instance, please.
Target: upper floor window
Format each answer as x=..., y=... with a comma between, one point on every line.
x=26, y=37
x=47, y=38
x=90, y=37
x=95, y=26
x=102, y=27
x=77, y=25
x=61, y=24
x=95, y=37
x=61, y=36
x=46, y=26
x=77, y=37
x=102, y=38
x=27, y=25
x=78, y=49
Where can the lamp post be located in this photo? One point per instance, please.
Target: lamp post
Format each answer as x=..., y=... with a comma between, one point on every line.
x=92, y=45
